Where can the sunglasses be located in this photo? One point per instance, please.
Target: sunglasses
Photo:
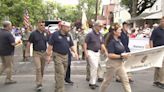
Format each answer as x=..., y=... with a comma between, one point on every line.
x=42, y=25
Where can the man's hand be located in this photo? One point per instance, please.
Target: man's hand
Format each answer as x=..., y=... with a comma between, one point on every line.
x=48, y=59
x=76, y=56
x=86, y=55
x=125, y=55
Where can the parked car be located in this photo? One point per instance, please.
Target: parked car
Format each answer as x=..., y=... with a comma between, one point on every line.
x=52, y=25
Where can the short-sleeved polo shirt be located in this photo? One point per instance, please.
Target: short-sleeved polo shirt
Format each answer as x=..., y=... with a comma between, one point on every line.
x=125, y=40
x=39, y=40
x=61, y=43
x=6, y=40
x=94, y=41
x=115, y=47
x=157, y=37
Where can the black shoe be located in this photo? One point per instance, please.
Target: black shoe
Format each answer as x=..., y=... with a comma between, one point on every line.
x=69, y=81
x=156, y=83
x=92, y=86
x=131, y=81
x=39, y=87
x=87, y=79
x=161, y=85
x=10, y=82
x=117, y=80
x=100, y=79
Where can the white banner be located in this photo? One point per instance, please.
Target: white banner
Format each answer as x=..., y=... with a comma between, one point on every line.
x=136, y=44
x=145, y=59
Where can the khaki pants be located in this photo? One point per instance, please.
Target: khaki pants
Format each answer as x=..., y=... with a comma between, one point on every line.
x=128, y=73
x=114, y=66
x=7, y=64
x=159, y=74
x=39, y=59
x=60, y=64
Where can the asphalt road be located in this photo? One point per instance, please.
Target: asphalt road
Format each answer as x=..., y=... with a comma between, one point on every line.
x=24, y=73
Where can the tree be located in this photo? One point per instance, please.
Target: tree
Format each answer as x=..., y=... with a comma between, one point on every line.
x=14, y=10
x=136, y=7
x=68, y=13
x=90, y=7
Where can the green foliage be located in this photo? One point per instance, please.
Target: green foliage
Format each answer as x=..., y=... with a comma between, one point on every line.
x=14, y=10
x=90, y=9
x=68, y=13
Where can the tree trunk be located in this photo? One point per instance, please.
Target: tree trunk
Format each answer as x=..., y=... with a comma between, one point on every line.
x=134, y=8
x=96, y=10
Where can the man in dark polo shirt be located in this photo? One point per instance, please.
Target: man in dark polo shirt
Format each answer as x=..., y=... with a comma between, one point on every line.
x=125, y=41
x=39, y=40
x=61, y=42
x=94, y=42
x=157, y=39
x=7, y=45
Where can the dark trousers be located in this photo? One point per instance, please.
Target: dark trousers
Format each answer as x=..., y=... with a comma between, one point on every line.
x=68, y=72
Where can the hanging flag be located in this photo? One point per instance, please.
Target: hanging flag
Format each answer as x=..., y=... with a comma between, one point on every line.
x=26, y=18
x=84, y=20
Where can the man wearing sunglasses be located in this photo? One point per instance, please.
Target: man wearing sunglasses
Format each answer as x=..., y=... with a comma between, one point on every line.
x=39, y=40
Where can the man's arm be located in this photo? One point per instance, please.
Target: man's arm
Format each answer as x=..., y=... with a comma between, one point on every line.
x=85, y=50
x=152, y=38
x=27, y=50
x=16, y=43
x=73, y=49
x=11, y=40
x=104, y=49
x=151, y=44
x=49, y=50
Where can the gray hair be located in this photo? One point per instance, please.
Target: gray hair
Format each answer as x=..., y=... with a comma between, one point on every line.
x=6, y=23
x=97, y=23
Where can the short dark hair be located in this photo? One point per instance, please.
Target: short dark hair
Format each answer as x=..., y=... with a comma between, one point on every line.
x=124, y=23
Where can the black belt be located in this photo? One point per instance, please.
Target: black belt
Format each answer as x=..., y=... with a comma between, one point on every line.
x=60, y=53
x=40, y=51
x=94, y=50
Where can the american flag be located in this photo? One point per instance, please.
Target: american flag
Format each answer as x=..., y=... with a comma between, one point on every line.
x=26, y=18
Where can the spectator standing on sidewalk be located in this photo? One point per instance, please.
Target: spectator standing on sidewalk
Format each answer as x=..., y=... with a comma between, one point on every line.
x=25, y=36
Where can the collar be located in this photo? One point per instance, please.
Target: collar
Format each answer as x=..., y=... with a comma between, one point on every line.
x=4, y=30
x=62, y=34
x=125, y=32
x=97, y=33
x=39, y=31
x=161, y=28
